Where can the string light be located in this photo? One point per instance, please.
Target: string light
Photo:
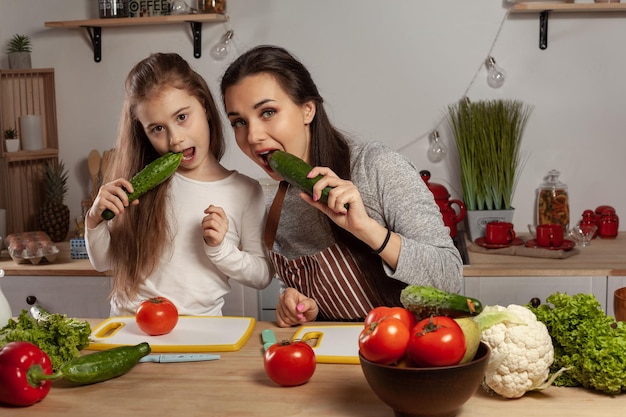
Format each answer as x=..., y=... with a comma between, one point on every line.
x=437, y=150
x=220, y=49
x=495, y=74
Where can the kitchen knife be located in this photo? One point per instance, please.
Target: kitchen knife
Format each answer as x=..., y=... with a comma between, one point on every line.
x=173, y=358
x=268, y=337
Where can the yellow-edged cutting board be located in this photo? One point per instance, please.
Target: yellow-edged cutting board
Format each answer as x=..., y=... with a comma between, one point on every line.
x=332, y=344
x=191, y=334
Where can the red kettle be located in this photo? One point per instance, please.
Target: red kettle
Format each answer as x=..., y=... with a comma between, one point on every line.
x=442, y=198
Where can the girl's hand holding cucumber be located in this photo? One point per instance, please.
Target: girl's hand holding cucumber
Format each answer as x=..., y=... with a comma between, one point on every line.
x=111, y=196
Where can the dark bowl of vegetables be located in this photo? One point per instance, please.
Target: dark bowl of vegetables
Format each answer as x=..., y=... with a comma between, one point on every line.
x=426, y=392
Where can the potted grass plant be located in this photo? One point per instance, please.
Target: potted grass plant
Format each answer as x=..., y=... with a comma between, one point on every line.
x=19, y=49
x=488, y=136
x=11, y=140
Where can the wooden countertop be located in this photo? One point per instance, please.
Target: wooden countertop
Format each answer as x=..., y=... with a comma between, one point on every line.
x=236, y=385
x=64, y=265
x=604, y=257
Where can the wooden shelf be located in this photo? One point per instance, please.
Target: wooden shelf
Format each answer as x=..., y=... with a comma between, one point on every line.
x=568, y=7
x=544, y=9
x=94, y=27
x=20, y=156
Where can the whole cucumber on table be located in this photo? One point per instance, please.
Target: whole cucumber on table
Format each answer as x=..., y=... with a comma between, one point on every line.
x=152, y=175
x=103, y=365
x=425, y=301
x=294, y=171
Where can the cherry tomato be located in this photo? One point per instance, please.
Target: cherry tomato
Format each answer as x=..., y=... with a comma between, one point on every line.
x=156, y=316
x=436, y=341
x=384, y=341
x=289, y=363
x=399, y=313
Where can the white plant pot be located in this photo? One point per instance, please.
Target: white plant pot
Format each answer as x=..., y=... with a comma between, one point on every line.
x=19, y=60
x=476, y=220
x=12, y=145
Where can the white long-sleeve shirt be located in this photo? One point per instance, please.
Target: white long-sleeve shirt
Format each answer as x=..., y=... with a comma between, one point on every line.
x=193, y=275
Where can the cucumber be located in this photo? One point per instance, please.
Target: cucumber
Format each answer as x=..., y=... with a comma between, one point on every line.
x=103, y=365
x=294, y=171
x=425, y=301
x=152, y=175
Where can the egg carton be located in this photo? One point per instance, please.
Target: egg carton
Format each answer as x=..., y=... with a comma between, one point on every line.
x=31, y=247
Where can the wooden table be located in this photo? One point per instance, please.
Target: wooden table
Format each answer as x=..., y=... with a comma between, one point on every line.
x=237, y=386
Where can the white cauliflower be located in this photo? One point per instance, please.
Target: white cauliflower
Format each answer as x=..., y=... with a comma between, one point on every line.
x=521, y=350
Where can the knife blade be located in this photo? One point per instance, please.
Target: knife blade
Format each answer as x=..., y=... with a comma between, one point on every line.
x=174, y=358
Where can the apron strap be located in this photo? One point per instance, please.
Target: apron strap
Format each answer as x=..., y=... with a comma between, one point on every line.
x=273, y=216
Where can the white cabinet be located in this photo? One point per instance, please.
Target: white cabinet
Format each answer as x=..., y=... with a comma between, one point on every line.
x=268, y=298
x=520, y=290
x=75, y=296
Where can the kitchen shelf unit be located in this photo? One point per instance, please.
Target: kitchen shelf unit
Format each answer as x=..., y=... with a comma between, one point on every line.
x=26, y=92
x=94, y=27
x=544, y=10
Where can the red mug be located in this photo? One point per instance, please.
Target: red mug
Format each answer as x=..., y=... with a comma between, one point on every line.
x=499, y=233
x=550, y=235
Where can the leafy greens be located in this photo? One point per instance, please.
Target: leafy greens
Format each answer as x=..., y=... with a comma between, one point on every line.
x=585, y=340
x=60, y=337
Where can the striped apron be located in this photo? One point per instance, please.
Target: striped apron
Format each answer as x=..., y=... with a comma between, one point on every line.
x=330, y=277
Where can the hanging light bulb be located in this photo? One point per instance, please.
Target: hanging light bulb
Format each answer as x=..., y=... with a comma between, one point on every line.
x=495, y=74
x=437, y=150
x=220, y=50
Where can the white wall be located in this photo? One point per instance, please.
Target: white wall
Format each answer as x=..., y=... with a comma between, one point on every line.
x=387, y=70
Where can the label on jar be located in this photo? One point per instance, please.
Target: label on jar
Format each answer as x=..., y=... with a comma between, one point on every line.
x=553, y=208
x=144, y=8
x=112, y=8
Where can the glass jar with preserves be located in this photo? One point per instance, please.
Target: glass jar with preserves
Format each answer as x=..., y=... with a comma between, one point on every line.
x=553, y=201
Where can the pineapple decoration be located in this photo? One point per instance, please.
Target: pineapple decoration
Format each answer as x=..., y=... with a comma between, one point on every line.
x=54, y=217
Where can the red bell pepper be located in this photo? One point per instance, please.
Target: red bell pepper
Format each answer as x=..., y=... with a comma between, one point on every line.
x=22, y=369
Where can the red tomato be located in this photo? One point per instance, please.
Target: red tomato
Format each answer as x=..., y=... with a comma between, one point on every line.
x=156, y=316
x=436, y=341
x=384, y=341
x=289, y=363
x=399, y=313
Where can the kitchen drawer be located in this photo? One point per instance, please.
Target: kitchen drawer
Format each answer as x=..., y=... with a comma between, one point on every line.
x=520, y=290
x=75, y=296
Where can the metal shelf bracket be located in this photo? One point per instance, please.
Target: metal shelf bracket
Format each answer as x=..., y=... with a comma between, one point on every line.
x=543, y=29
x=95, y=34
x=196, y=33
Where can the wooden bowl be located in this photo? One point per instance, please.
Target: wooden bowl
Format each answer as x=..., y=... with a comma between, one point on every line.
x=426, y=392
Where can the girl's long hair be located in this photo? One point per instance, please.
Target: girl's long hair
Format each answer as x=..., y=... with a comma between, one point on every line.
x=141, y=234
x=329, y=147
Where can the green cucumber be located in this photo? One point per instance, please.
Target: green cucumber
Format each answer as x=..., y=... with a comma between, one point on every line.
x=103, y=365
x=425, y=301
x=294, y=170
x=152, y=175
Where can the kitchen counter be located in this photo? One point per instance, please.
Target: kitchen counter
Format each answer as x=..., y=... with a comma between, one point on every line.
x=64, y=265
x=604, y=257
x=236, y=385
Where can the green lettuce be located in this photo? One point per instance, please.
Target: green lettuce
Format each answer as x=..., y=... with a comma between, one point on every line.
x=60, y=337
x=589, y=343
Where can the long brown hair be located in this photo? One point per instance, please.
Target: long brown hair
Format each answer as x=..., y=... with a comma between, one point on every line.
x=141, y=234
x=329, y=147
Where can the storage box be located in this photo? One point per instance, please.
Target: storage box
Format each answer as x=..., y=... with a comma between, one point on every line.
x=78, y=248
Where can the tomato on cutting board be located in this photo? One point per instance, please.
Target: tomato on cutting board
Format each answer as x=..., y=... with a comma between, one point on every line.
x=290, y=363
x=436, y=341
x=156, y=316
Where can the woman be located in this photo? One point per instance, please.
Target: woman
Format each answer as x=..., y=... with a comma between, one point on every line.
x=336, y=262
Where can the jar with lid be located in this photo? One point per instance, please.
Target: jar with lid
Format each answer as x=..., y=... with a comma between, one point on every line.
x=212, y=6
x=609, y=224
x=553, y=201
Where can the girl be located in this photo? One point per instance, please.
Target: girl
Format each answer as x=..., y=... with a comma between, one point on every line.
x=192, y=233
x=337, y=263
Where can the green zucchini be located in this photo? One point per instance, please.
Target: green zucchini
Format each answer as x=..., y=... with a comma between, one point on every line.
x=103, y=365
x=294, y=171
x=425, y=301
x=152, y=175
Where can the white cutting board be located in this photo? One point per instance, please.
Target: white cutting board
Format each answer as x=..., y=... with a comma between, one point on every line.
x=332, y=344
x=191, y=334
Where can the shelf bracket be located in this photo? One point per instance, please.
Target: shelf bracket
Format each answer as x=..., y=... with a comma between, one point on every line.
x=95, y=34
x=196, y=33
x=543, y=29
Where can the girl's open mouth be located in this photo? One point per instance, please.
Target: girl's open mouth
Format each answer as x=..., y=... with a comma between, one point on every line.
x=188, y=154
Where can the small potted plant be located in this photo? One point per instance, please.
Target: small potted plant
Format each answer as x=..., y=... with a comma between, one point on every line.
x=11, y=140
x=19, y=49
x=488, y=136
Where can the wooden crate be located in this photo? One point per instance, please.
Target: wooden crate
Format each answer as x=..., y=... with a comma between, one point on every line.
x=24, y=92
